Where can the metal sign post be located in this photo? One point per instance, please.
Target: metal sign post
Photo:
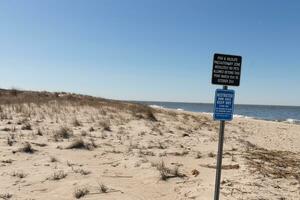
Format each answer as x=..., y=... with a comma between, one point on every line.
x=219, y=158
x=226, y=71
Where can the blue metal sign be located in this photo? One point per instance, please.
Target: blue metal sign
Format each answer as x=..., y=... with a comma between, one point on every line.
x=224, y=103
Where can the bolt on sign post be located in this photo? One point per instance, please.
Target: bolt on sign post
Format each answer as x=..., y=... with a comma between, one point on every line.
x=226, y=72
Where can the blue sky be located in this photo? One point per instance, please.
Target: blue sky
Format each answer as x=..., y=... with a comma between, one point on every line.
x=151, y=49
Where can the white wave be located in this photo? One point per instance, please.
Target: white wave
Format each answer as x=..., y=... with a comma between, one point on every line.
x=208, y=113
x=156, y=106
x=247, y=117
x=242, y=116
x=292, y=121
x=179, y=109
x=239, y=116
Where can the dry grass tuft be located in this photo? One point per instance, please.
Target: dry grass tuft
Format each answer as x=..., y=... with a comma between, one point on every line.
x=6, y=196
x=83, y=133
x=272, y=163
x=7, y=161
x=53, y=159
x=150, y=115
x=167, y=173
x=198, y=155
x=145, y=112
x=63, y=133
x=81, y=171
x=19, y=174
x=11, y=139
x=58, y=175
x=103, y=188
x=6, y=129
x=26, y=126
x=27, y=148
x=39, y=132
x=211, y=155
x=79, y=143
x=81, y=192
x=76, y=122
x=105, y=125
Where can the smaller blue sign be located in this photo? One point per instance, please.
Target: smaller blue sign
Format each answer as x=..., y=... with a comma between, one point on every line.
x=224, y=104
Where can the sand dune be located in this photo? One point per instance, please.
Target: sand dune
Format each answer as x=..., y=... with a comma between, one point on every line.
x=67, y=146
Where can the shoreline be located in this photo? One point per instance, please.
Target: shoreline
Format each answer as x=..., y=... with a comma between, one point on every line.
x=235, y=116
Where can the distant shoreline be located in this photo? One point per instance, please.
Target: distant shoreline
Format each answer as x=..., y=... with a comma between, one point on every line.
x=287, y=114
x=137, y=101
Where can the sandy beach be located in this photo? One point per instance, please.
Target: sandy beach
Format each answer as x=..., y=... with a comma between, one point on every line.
x=66, y=146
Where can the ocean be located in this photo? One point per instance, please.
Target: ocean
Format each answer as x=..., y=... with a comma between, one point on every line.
x=289, y=114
